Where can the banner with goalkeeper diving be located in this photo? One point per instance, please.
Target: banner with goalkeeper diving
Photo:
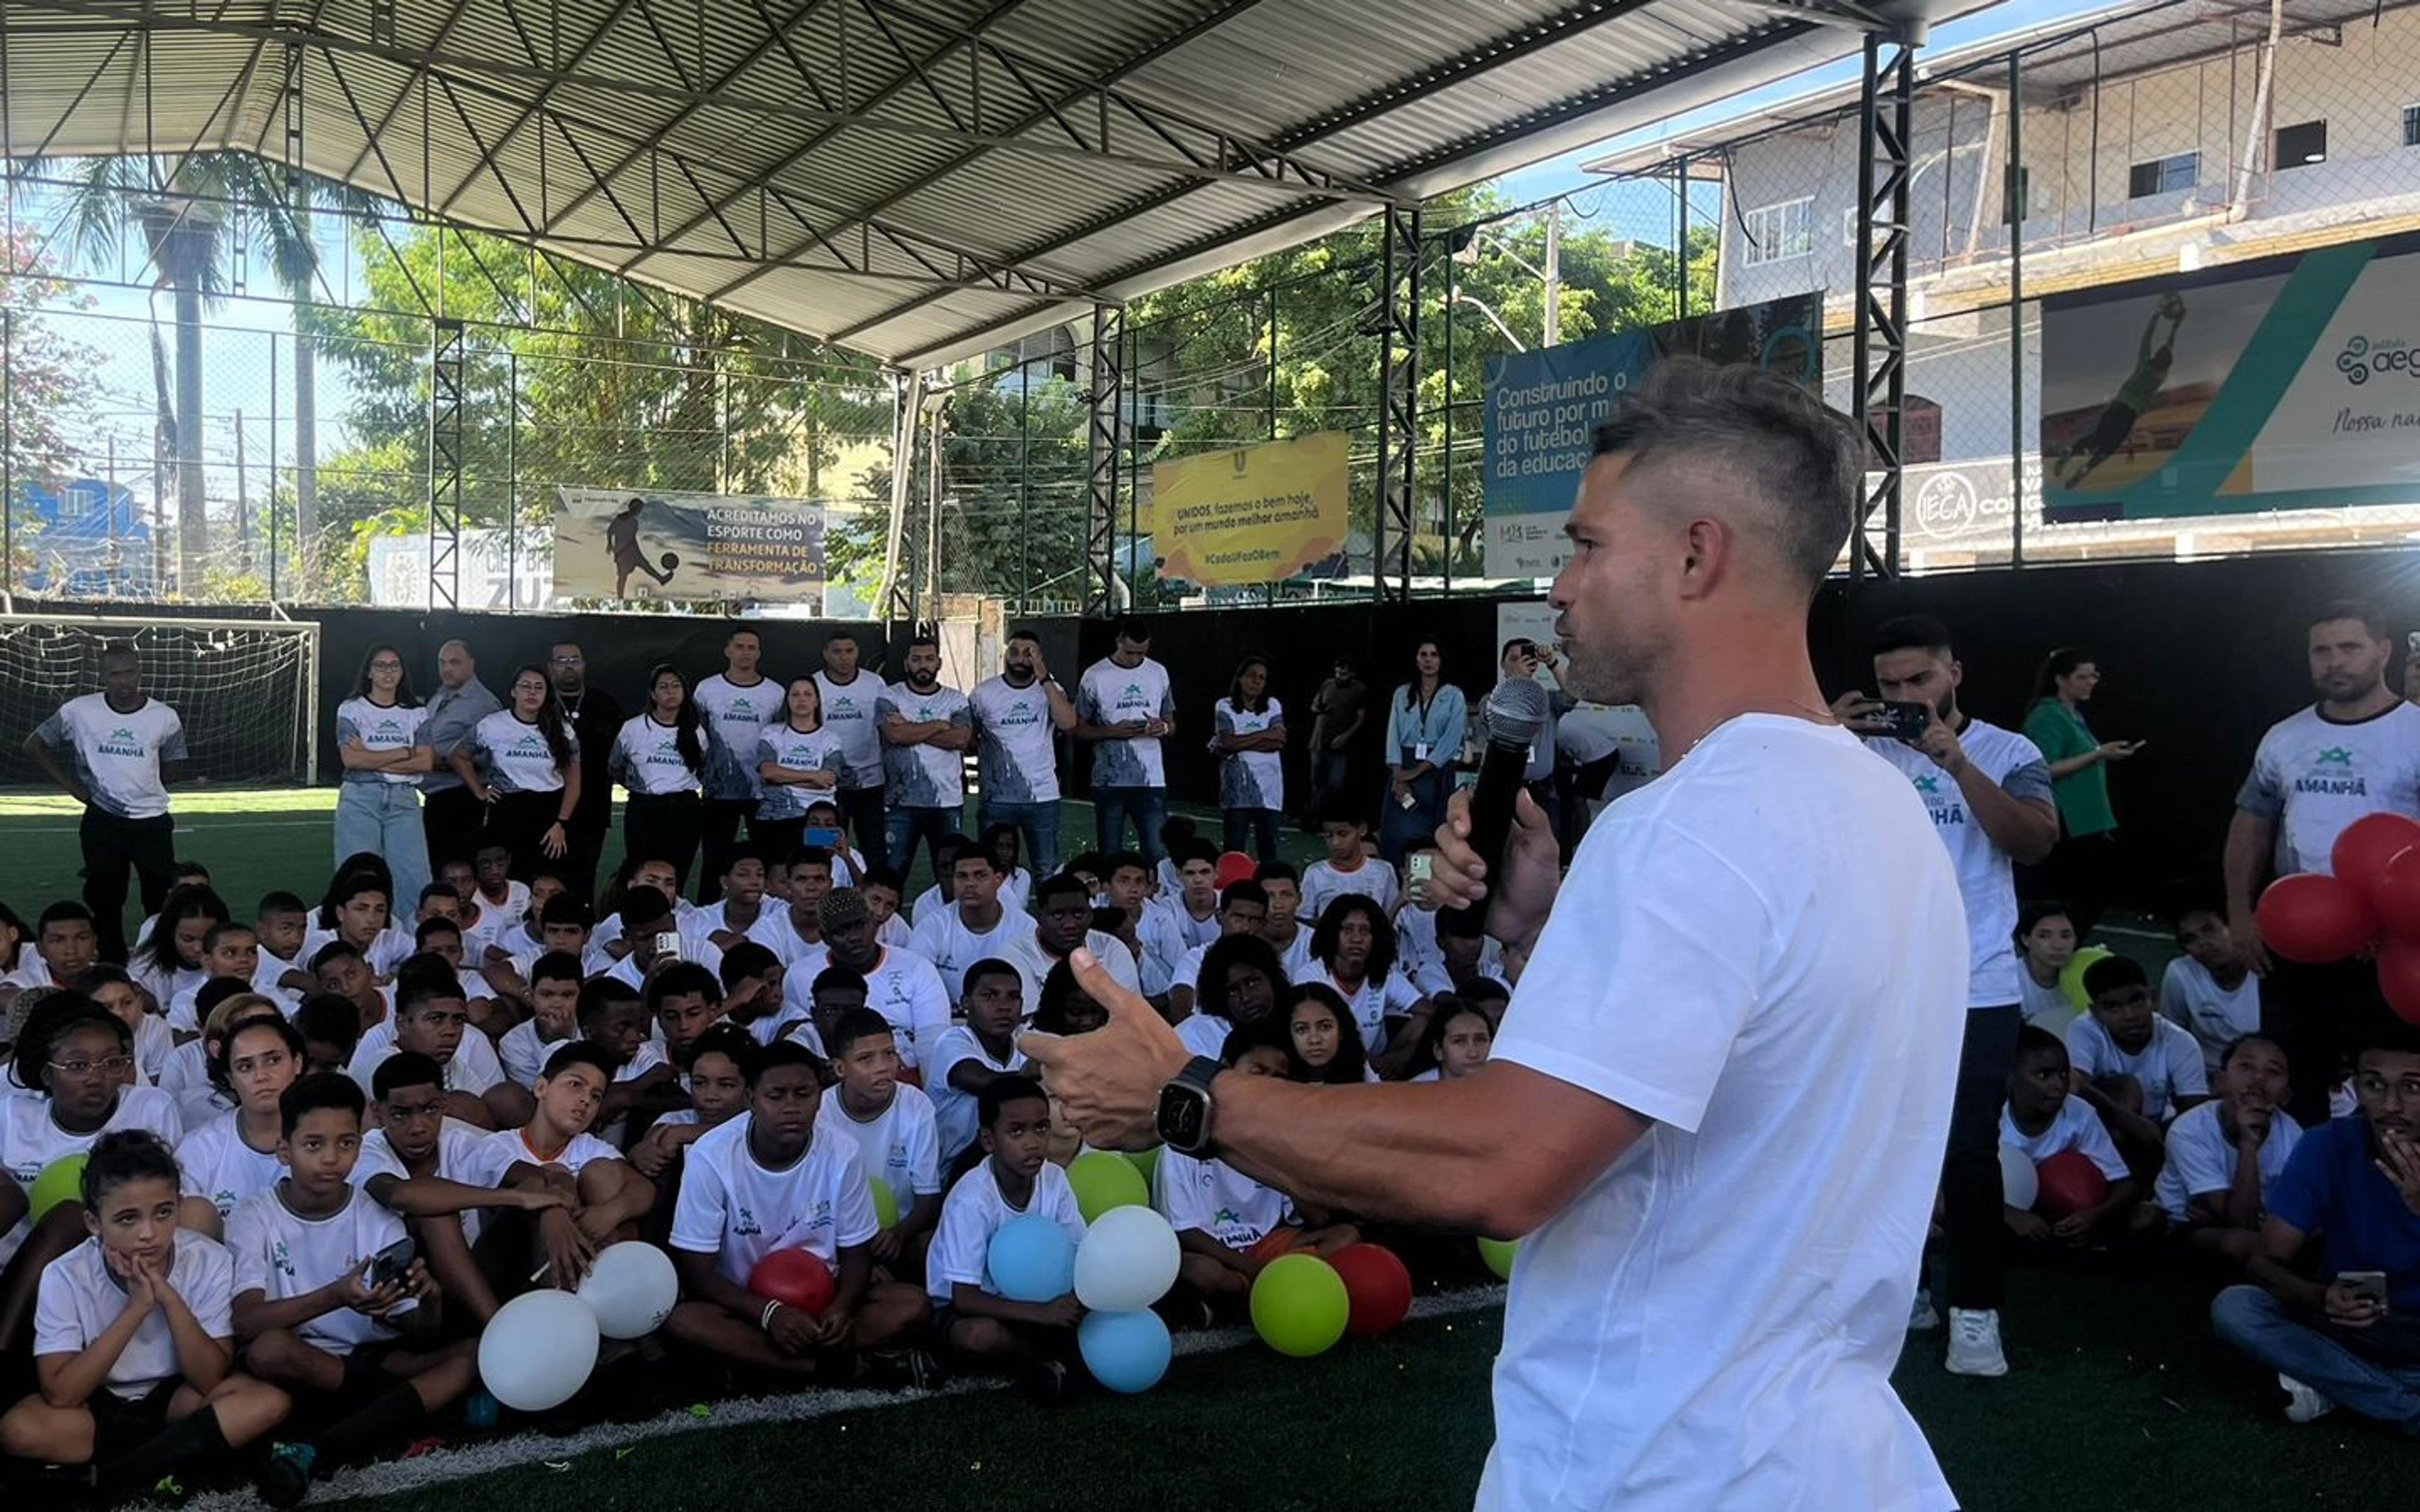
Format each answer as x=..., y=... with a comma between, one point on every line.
x=2282, y=383
x=622, y=545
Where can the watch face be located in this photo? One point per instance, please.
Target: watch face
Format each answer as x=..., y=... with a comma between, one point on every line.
x=1182, y=1114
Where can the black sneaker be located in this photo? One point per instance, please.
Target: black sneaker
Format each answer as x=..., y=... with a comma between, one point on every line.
x=1046, y=1382
x=924, y=1370
x=286, y=1478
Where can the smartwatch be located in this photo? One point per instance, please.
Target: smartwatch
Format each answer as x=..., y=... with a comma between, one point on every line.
x=1183, y=1117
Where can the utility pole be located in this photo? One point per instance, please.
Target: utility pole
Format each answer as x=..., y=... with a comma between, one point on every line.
x=1553, y=275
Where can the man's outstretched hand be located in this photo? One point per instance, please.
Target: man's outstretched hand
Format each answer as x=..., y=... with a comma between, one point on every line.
x=1108, y=1081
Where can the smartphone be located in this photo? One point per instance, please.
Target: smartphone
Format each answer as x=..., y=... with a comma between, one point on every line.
x=668, y=945
x=1902, y=722
x=1419, y=867
x=2370, y=1284
x=392, y=1264
x=825, y=838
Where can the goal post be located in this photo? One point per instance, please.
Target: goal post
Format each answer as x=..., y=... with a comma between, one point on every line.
x=246, y=690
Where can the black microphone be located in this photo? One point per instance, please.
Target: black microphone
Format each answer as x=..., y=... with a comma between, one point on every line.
x=1513, y=716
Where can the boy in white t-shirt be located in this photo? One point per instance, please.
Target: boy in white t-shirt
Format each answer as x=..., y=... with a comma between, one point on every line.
x=432, y=1018
x=607, y=1196
x=718, y=1092
x=2223, y=1154
x=2208, y=992
x=2040, y=1120
x=554, y=980
x=1349, y=867
x=892, y=1126
x=119, y=1325
x=331, y=1300
x=613, y=1020
x=2136, y=1070
x=763, y=1183
x=972, y=1056
x=976, y=1327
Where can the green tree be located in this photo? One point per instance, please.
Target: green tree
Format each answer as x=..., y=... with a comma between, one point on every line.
x=50, y=384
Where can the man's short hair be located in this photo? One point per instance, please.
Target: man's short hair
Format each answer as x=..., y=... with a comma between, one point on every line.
x=1912, y=632
x=1773, y=436
x=2114, y=973
x=2372, y=619
x=1129, y=628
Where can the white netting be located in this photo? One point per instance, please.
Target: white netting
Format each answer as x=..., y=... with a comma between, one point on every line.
x=244, y=688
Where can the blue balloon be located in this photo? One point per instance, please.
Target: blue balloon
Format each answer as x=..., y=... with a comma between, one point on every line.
x=1031, y=1259
x=1124, y=1352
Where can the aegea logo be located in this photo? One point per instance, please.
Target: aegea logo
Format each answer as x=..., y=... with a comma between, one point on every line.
x=2363, y=358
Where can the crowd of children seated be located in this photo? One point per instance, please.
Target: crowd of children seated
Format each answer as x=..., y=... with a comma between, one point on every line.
x=324, y=1145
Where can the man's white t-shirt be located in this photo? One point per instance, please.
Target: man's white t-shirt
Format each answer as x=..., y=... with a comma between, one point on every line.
x=2216, y=1017
x=903, y=987
x=474, y=1067
x=2313, y=777
x=283, y=1255
x=738, y=715
x=901, y=1143
x=925, y=776
x=1986, y=876
x=493, y=1159
x=1013, y=740
x=849, y=712
x=974, y=1211
x=458, y=1160
x=1110, y=694
x=955, y=1111
x=2201, y=1159
x=2075, y=1126
x=1695, y=974
x=942, y=936
x=118, y=756
x=738, y=1210
x=79, y=1299
x=1323, y=884
x=2170, y=1066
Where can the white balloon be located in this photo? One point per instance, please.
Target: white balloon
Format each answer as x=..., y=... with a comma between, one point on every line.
x=2020, y=1183
x=1127, y=1263
x=538, y=1351
x=631, y=1288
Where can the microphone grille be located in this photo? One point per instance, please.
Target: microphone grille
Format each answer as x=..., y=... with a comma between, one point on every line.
x=1516, y=711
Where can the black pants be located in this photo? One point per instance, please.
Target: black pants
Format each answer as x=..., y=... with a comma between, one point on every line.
x=2085, y=871
x=861, y=810
x=583, y=844
x=664, y=826
x=718, y=823
x=1970, y=1173
x=111, y=846
x=777, y=837
x=519, y=822
x=2314, y=1012
x=452, y=819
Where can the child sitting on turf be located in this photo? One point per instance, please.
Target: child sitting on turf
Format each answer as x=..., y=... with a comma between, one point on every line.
x=2208, y=992
x=229, y=949
x=823, y=820
x=338, y=967
x=975, y=1326
x=113, y=989
x=441, y=939
x=2223, y=1154
x=1323, y=1045
x=763, y=1183
x=426, y=1166
x=1229, y=1226
x=717, y=1091
x=256, y=1057
x=432, y=1018
x=554, y=980
x=280, y=924
x=1458, y=1037
x=172, y=962
x=883, y=890
x=684, y=999
x=332, y=1028
x=1348, y=867
x=133, y=1347
x=186, y=1074
x=751, y=985
x=972, y=1056
x=2137, y=1070
x=66, y=943
x=892, y=1125
x=329, y=1300
x=2046, y=943
x=555, y=1151
x=614, y=1020
x=2040, y=1120
x=835, y=991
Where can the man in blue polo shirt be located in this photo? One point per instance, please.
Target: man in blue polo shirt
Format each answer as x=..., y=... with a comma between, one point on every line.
x=2352, y=1337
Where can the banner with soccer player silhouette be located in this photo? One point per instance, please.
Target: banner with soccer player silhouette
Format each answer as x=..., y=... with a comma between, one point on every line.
x=622, y=545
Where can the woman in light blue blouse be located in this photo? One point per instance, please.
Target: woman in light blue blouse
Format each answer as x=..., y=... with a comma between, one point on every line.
x=1424, y=728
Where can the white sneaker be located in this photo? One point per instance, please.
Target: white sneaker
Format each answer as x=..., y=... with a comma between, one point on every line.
x=1922, y=1318
x=2307, y=1405
x=1975, y=1344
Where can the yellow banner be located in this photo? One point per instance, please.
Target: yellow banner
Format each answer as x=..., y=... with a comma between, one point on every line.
x=1254, y=515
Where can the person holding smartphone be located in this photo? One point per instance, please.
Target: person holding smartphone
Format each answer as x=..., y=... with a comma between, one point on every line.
x=2084, y=865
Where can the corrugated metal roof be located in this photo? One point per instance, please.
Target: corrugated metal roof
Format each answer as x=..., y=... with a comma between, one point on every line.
x=918, y=178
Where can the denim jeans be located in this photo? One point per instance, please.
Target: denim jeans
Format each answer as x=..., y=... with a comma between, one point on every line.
x=1037, y=824
x=1397, y=826
x=384, y=817
x=903, y=827
x=2374, y=1372
x=1113, y=807
x=1330, y=770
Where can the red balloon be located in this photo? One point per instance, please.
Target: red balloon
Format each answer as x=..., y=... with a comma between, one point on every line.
x=2315, y=919
x=2398, y=978
x=2367, y=846
x=2397, y=899
x=1235, y=867
x=2071, y=1183
x=1377, y=1285
x=794, y=1278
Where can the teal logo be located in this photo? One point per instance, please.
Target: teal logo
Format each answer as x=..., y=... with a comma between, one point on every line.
x=1928, y=784
x=121, y=742
x=2336, y=756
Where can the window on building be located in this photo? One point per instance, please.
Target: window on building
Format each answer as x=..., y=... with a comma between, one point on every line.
x=2164, y=176
x=2298, y=146
x=1778, y=232
x=2412, y=126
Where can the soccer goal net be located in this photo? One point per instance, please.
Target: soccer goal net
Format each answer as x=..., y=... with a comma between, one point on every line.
x=244, y=688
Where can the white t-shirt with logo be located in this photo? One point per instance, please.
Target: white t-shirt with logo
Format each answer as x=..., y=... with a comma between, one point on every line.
x=2313, y=777
x=954, y=1113
x=816, y=750
x=974, y=1211
x=31, y=1139
x=2075, y=1126
x=1249, y=779
x=1986, y=877
x=213, y=1161
x=1214, y=1198
x=647, y=757
x=1111, y=694
x=849, y=712
x=941, y=937
x=901, y=1143
x=523, y=1052
x=1376, y=1001
x=79, y=1299
x=1693, y=973
x=2192, y=1000
x=1013, y=739
x=903, y=987
x=513, y=755
x=118, y=756
x=494, y=1156
x=1323, y=884
x=923, y=775
x=457, y=1145
x=282, y=1255
x=2201, y=1159
x=379, y=728
x=473, y=1069
x=738, y=1210
x=738, y=715
x=2168, y=1067
x=1420, y=957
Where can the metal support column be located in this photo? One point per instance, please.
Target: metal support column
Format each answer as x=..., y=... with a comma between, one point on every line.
x=1108, y=433
x=445, y=375
x=1399, y=385
x=2016, y=199
x=897, y=596
x=1879, y=344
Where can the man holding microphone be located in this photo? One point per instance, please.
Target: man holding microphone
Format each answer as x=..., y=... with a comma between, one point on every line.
x=1716, y=1106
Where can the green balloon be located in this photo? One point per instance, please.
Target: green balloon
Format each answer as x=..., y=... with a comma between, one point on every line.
x=1299, y=1305
x=1104, y=1179
x=2071, y=976
x=1499, y=1253
x=1147, y=1162
x=885, y=1202
x=61, y=1180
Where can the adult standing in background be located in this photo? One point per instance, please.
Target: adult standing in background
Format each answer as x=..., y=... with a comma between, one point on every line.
x=1426, y=721
x=739, y=702
x=850, y=694
x=925, y=730
x=1124, y=707
x=1250, y=741
x=523, y=763
x=2084, y=868
x=797, y=762
x=1522, y=657
x=378, y=799
x=596, y=719
x=450, y=814
x=2354, y=752
x=1336, y=713
x=127, y=747
x=663, y=755
x=1015, y=715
